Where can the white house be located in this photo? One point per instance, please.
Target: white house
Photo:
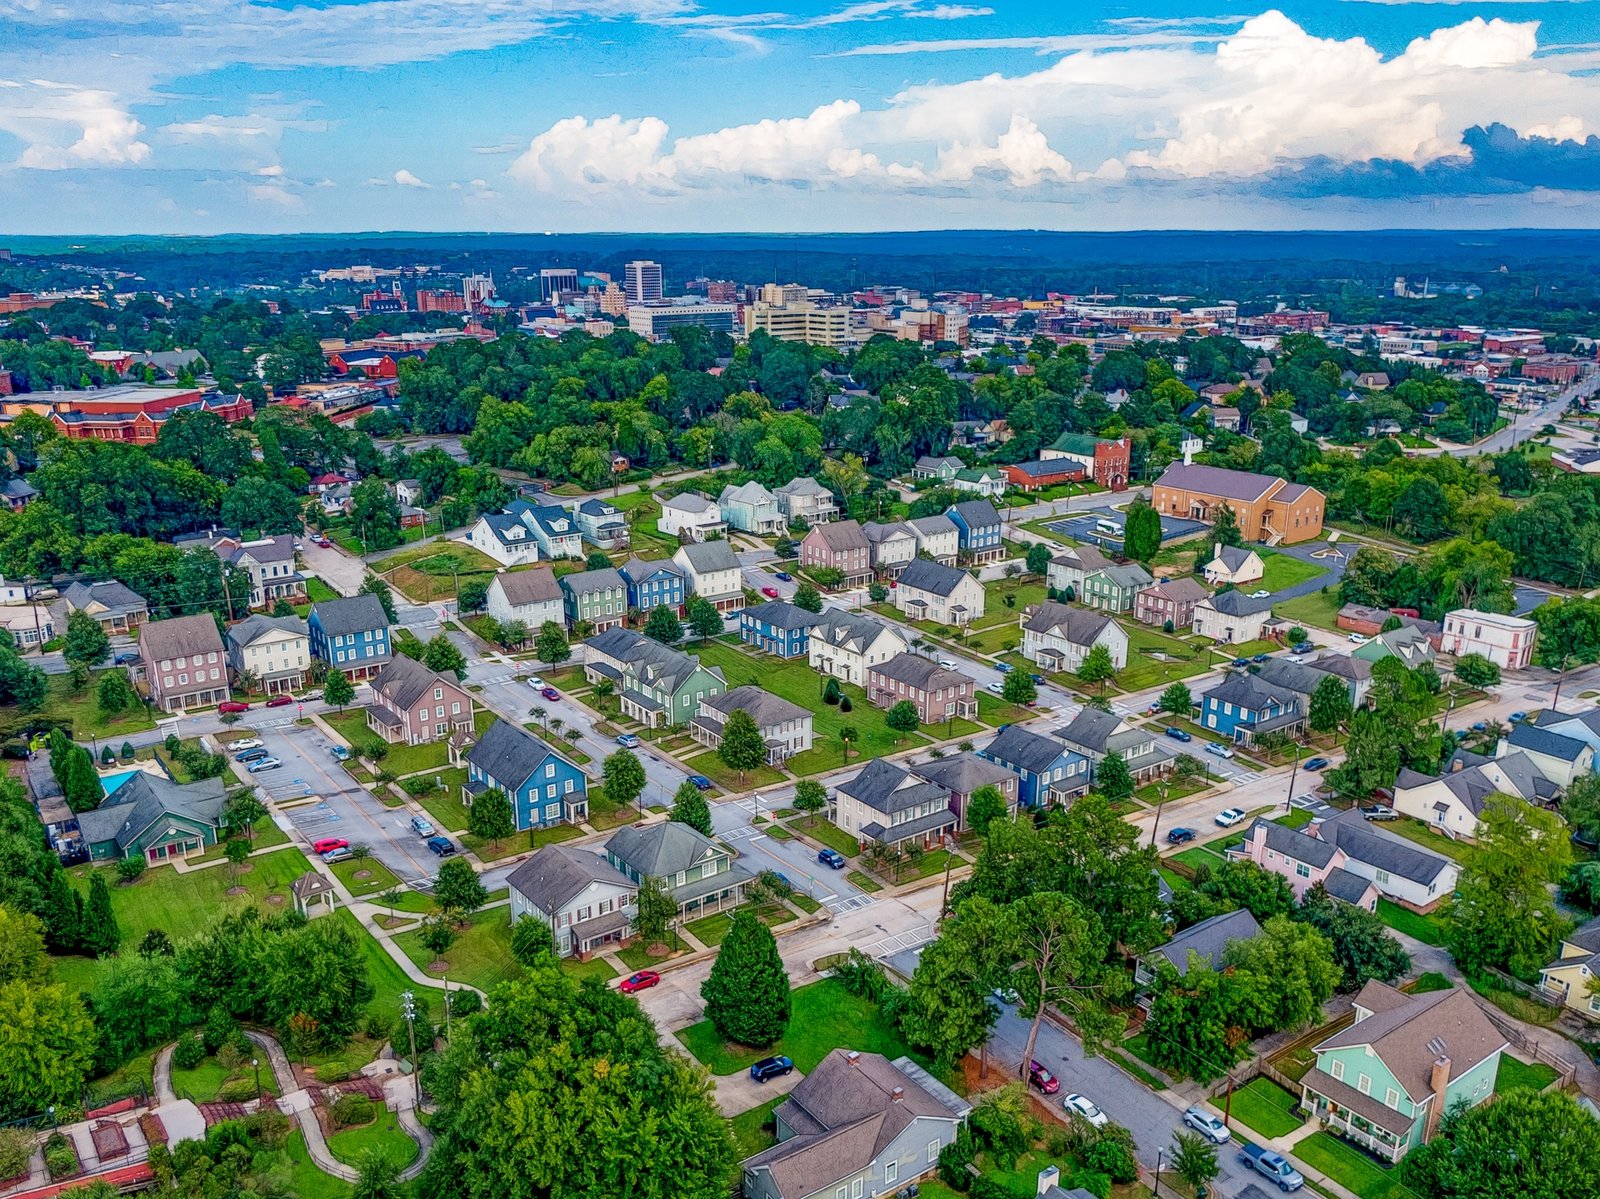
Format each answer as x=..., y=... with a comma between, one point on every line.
x=275, y=650
x=504, y=538
x=806, y=499
x=1507, y=641
x=1403, y=871
x=1558, y=757
x=713, y=573
x=1234, y=564
x=1232, y=617
x=937, y=537
x=1072, y=566
x=845, y=645
x=586, y=901
x=531, y=596
x=893, y=545
x=691, y=515
x=1452, y=802
x=942, y=594
x=1058, y=637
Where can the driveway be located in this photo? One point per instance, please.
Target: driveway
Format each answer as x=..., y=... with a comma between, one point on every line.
x=343, y=572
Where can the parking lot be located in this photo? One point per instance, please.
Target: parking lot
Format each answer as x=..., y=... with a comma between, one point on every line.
x=1093, y=527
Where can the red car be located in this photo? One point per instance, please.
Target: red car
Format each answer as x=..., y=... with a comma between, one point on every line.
x=232, y=705
x=1039, y=1075
x=327, y=843
x=770, y=592
x=550, y=693
x=639, y=981
x=280, y=701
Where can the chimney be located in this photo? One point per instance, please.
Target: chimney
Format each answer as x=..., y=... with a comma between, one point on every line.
x=1049, y=1177
x=1455, y=763
x=852, y=1057
x=1438, y=1082
x=897, y=1095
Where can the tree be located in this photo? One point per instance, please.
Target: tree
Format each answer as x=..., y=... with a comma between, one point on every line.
x=704, y=619
x=1097, y=667
x=663, y=625
x=442, y=656
x=1477, y=671
x=242, y=813
x=624, y=778
x=1225, y=527
x=986, y=806
x=1330, y=705
x=948, y=1010
x=373, y=585
x=877, y=592
x=491, y=817
x=1176, y=700
x=1581, y=806
x=1362, y=945
x=1372, y=758
x=47, y=1044
x=551, y=643
x=1193, y=1026
x=810, y=796
x=747, y=991
x=472, y=596
x=374, y=515
x=532, y=943
x=1294, y=972
x=457, y=890
x=438, y=935
x=1060, y=949
x=902, y=717
x=1141, y=532
x=156, y=944
x=808, y=597
x=338, y=690
x=85, y=643
x=1112, y=777
x=743, y=748
x=1038, y=558
x=655, y=910
x=101, y=936
x=237, y=851
x=378, y=1177
x=1503, y=914
x=391, y=899
x=1018, y=687
x=1539, y=1145
x=22, y=953
x=1194, y=1159
x=689, y=807
x=848, y=736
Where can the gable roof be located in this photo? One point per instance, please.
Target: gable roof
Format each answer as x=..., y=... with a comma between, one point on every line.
x=1026, y=748
x=1185, y=589
x=1232, y=556
x=1209, y=938
x=764, y=707
x=352, y=614
x=111, y=595
x=803, y=485
x=1079, y=626
x=1237, y=603
x=923, y=674
x=840, y=535
x=1293, y=843
x=1218, y=481
x=404, y=680
x=707, y=556
x=1091, y=727
x=1130, y=576
x=850, y=630
x=510, y=754
x=885, y=787
x=933, y=526
x=692, y=501
x=878, y=533
x=143, y=800
x=922, y=575
x=977, y=514
x=660, y=850
x=1245, y=691
x=746, y=493
x=524, y=587
x=557, y=874
x=253, y=628
x=781, y=614
x=963, y=773
x=1542, y=741
x=1409, y=1036
x=636, y=570
x=1085, y=558
x=586, y=582
x=1382, y=849
x=181, y=636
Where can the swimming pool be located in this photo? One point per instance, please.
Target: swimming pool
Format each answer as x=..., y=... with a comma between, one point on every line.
x=112, y=781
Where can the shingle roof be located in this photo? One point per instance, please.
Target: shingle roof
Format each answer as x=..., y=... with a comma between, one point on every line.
x=1237, y=603
x=1025, y=748
x=977, y=513
x=933, y=526
x=1080, y=626
x=352, y=614
x=1408, y=1037
x=1379, y=848
x=1129, y=576
x=404, y=680
x=636, y=570
x=849, y=630
x=524, y=587
x=963, y=773
x=111, y=595
x=1293, y=843
x=1231, y=556
x=586, y=582
x=181, y=636
x=1217, y=481
x=764, y=707
x=510, y=754
x=1247, y=692
x=692, y=501
x=924, y=674
x=556, y=874
x=1209, y=938
x=252, y=628
x=1090, y=727
x=145, y=799
x=1543, y=741
x=782, y=615
x=1345, y=886
x=887, y=788
x=935, y=577
x=1185, y=589
x=803, y=485
x=659, y=850
x=707, y=556
x=1085, y=558
x=746, y=493
x=841, y=535
x=878, y=533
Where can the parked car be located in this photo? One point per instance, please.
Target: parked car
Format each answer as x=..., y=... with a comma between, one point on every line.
x=784, y=576
x=1274, y=1165
x=1314, y=764
x=280, y=701
x=232, y=705
x=442, y=846
x=1297, y=657
x=1260, y=594
x=701, y=782
x=422, y=826
x=1179, y=836
x=341, y=854
x=1517, y=717
x=639, y=981
x=127, y=659
x=1004, y=667
x=948, y=663
x=831, y=858
x=1038, y=679
x=340, y=753
x=536, y=683
x=1259, y=657
x=1240, y=664
x=550, y=693
x=1303, y=647
x=770, y=592
x=251, y=755
x=1480, y=727
x=327, y=843
x=1207, y=1125
x=1039, y=1076
x=771, y=1067
x=994, y=688
x=246, y=743
x=1229, y=817
x=1379, y=811
x=263, y=765
x=1357, y=639
x=1178, y=734
x=1219, y=750
x=627, y=741
x=1084, y=1107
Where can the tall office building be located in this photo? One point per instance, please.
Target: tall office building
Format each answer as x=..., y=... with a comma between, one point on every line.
x=477, y=289
x=802, y=321
x=656, y=321
x=555, y=280
x=643, y=282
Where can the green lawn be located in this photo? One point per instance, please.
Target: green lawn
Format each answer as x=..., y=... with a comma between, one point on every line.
x=1427, y=929
x=1514, y=1073
x=1262, y=1106
x=1298, y=818
x=1350, y=1167
x=1199, y=855
x=1415, y=830
x=710, y=930
x=480, y=957
x=77, y=712
x=866, y=882
x=443, y=804
x=201, y=1084
x=378, y=877
x=305, y=1179
x=825, y=1017
x=383, y=1135
x=319, y=592
x=1024, y=592
x=820, y=830
x=1283, y=571
x=1319, y=609
x=265, y=833
x=388, y=981
x=1145, y=670
x=755, y=1130
x=711, y=766
x=401, y=759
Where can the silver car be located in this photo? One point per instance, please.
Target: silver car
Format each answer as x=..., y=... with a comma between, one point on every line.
x=1207, y=1125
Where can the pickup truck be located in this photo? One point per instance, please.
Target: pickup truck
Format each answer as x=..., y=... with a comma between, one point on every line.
x=1273, y=1165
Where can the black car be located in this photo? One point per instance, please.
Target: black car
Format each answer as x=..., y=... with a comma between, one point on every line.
x=1178, y=836
x=442, y=846
x=1178, y=734
x=831, y=858
x=771, y=1067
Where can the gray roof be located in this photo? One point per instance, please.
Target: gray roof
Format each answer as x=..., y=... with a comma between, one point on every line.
x=933, y=526
x=1209, y=938
x=1471, y=786
x=594, y=507
x=352, y=614
x=143, y=800
x=707, y=556
x=876, y=533
x=661, y=850
x=934, y=577
x=557, y=874
x=510, y=755
x=586, y=582
x=803, y=485
x=765, y=708
x=507, y=529
x=746, y=493
x=1302, y=677
x=1543, y=741
x=1080, y=626
x=252, y=628
x=648, y=660
x=1237, y=603
x=636, y=570
x=1185, y=589
x=1586, y=936
x=267, y=549
x=1232, y=556
x=1085, y=558
x=977, y=513
x=1372, y=846
x=963, y=773
x=841, y=535
x=929, y=462
x=1409, y=1036
x=1346, y=887
x=887, y=788
x=1525, y=778
x=782, y=615
x=1292, y=843
x=924, y=674
x=161, y=640
x=850, y=630
x=1217, y=481
x=111, y=595
x=524, y=587
x=404, y=680
x=1091, y=728
x=1025, y=748
x=1130, y=576
x=692, y=501
x=1246, y=691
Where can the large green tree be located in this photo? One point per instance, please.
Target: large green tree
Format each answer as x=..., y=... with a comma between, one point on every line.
x=747, y=991
x=444, y=657
x=47, y=1044
x=1097, y=666
x=624, y=778
x=458, y=890
x=689, y=807
x=101, y=936
x=85, y=643
x=1141, y=534
x=1362, y=944
x=948, y=1010
x=742, y=747
x=1294, y=971
x=1059, y=950
x=1503, y=914
x=663, y=625
x=1330, y=705
x=491, y=817
x=1527, y=1144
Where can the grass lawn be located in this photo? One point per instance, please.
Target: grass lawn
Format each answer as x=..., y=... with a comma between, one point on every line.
x=755, y=1130
x=305, y=1179
x=820, y=830
x=319, y=592
x=711, y=766
x=825, y=1017
x=480, y=957
x=1350, y=1167
x=1514, y=1073
x=383, y=1135
x=638, y=956
x=1415, y=830
x=78, y=713
x=401, y=759
x=567, y=748
x=1319, y=609
x=1024, y=592
x=1283, y=571
x=994, y=711
x=127, y=1079
x=1199, y=855
x=1431, y=981
x=1298, y=818
x=1145, y=670
x=264, y=834
x=1295, y=1063
x=1262, y=1106
x=1427, y=929
x=710, y=930
x=201, y=1084
x=866, y=882
x=593, y=968
x=379, y=878
x=443, y=804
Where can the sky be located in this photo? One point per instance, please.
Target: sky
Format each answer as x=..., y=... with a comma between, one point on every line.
x=212, y=116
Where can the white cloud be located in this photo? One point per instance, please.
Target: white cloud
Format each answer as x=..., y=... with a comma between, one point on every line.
x=65, y=126
x=406, y=179
x=275, y=195
x=1021, y=155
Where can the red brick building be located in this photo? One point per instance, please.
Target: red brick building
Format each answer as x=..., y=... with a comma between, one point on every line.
x=124, y=413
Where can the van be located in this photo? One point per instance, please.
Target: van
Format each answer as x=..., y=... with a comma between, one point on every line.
x=1108, y=526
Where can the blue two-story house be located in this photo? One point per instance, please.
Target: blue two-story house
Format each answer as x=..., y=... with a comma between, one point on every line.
x=350, y=634
x=778, y=628
x=1047, y=771
x=544, y=787
x=1242, y=706
x=978, y=528
x=655, y=584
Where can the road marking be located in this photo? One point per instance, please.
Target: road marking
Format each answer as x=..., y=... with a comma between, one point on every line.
x=738, y=834
x=853, y=903
x=826, y=898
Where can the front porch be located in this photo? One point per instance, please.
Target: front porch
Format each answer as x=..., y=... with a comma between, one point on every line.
x=1357, y=1117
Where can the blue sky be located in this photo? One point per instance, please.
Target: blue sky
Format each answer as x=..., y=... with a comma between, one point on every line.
x=205, y=116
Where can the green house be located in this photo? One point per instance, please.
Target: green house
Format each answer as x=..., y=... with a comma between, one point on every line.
x=1112, y=588
x=1385, y=1081
x=154, y=818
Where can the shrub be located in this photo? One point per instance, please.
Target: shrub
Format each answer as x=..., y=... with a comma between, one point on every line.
x=999, y=1130
x=861, y=976
x=465, y=1003
x=845, y=705
x=350, y=1110
x=379, y=1025
x=219, y=1028
x=60, y=1158
x=420, y=785
x=16, y=1147
x=1093, y=1181
x=238, y=1090
x=1113, y=1159
x=230, y=1057
x=954, y=1159
x=189, y=1052
x=130, y=869
x=270, y=1129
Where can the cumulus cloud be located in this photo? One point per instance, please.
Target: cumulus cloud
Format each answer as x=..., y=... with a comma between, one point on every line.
x=406, y=179
x=65, y=126
x=277, y=196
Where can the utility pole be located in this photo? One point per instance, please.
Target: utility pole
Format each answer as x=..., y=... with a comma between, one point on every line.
x=408, y=1009
x=1288, y=800
x=227, y=595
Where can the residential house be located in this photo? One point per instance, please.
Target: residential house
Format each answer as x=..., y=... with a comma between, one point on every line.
x=1452, y=802
x=545, y=788
x=1507, y=641
x=1113, y=589
x=893, y=805
x=1304, y=862
x=601, y=524
x=785, y=727
x=845, y=645
x=654, y=584
x=1206, y=941
x=1556, y=756
x=269, y=561
x=978, y=531
x=1041, y=473
x=350, y=634
x=1234, y=564
x=1047, y=771
x=1267, y=508
x=115, y=608
x=335, y=499
x=1072, y=566
x=1387, y=1080
x=1409, y=643
x=1106, y=461
x=965, y=774
x=1584, y=726
x=690, y=516
x=552, y=526
x=1356, y=672
x=154, y=820
x=530, y=596
x=1232, y=617
x=1569, y=980
x=987, y=481
x=183, y=662
x=699, y=873
x=17, y=494
x=937, y=537
x=944, y=595
x=1243, y=707
x=713, y=573
x=1404, y=872
x=1169, y=601
x=30, y=627
x=596, y=597
x=943, y=470
x=1057, y=637
x=275, y=651
x=1094, y=734
x=937, y=693
x=655, y=684
x=856, y=1125
x=412, y=705
x=751, y=508
x=584, y=900
x=1369, y=621
x=504, y=538
x=805, y=499
x=778, y=628
x=893, y=545
x=839, y=545
x=408, y=491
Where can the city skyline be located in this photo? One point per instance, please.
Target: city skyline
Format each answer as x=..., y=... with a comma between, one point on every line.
x=213, y=116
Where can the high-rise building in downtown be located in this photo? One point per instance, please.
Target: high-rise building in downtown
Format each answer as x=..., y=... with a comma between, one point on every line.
x=643, y=282
x=555, y=280
x=613, y=301
x=477, y=289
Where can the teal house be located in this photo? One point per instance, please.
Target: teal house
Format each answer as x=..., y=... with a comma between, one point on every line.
x=155, y=819
x=1112, y=589
x=1385, y=1082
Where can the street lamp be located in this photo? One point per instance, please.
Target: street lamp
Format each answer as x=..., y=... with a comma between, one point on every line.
x=408, y=1009
x=1156, y=1189
x=1288, y=800
x=255, y=1064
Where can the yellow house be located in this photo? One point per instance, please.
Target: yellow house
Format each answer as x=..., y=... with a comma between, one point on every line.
x=1568, y=979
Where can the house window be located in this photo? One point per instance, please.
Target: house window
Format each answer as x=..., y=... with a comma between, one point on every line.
x=842, y=1193
x=933, y=1152
x=1301, y=869
x=552, y=811
x=856, y=1188
x=1382, y=876
x=891, y=1171
x=1337, y=1069
x=1392, y=1098
x=1364, y=1084
x=438, y=693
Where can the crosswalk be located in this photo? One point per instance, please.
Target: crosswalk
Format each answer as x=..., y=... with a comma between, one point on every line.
x=851, y=903
x=745, y=832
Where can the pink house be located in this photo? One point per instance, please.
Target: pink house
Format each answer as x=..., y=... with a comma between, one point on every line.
x=1305, y=861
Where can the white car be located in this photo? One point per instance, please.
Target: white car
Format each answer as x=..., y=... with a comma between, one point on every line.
x=1259, y=594
x=947, y=663
x=536, y=683
x=995, y=689
x=1081, y=1105
x=1358, y=639
x=247, y=743
x=1207, y=1125
x=1297, y=657
x=1229, y=817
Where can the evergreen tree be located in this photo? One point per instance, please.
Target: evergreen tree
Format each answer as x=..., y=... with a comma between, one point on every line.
x=663, y=625
x=376, y=586
x=747, y=991
x=1225, y=527
x=689, y=807
x=100, y=936
x=1141, y=533
x=742, y=748
x=85, y=643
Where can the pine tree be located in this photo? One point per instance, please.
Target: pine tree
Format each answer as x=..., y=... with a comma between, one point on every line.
x=1225, y=527
x=1141, y=534
x=690, y=807
x=62, y=911
x=742, y=748
x=101, y=936
x=747, y=991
